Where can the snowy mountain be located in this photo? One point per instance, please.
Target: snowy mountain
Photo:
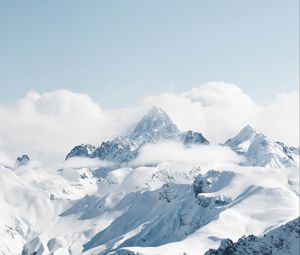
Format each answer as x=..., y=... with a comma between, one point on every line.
x=81, y=207
x=281, y=240
x=259, y=150
x=172, y=208
x=155, y=126
x=241, y=142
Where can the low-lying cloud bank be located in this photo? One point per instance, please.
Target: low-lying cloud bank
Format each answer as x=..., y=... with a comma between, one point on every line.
x=177, y=152
x=48, y=125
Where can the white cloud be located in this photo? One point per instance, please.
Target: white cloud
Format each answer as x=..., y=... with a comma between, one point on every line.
x=220, y=110
x=176, y=152
x=47, y=126
x=280, y=119
x=78, y=162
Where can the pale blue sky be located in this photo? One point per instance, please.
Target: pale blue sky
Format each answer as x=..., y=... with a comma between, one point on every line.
x=119, y=51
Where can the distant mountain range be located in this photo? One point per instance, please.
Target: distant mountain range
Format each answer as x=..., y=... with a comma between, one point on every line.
x=169, y=208
x=156, y=126
x=259, y=150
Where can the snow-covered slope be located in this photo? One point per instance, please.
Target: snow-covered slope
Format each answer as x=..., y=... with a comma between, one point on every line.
x=170, y=208
x=155, y=126
x=178, y=206
x=281, y=240
x=259, y=150
x=229, y=203
x=241, y=142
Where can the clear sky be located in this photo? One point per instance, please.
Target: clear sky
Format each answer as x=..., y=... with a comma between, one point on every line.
x=119, y=51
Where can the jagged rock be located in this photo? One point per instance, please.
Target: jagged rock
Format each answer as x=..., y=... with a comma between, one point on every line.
x=120, y=149
x=282, y=240
x=168, y=192
x=155, y=126
x=23, y=160
x=191, y=137
x=212, y=202
x=82, y=150
x=212, y=181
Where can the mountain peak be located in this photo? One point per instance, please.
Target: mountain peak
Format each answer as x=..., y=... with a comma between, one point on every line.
x=259, y=150
x=154, y=111
x=242, y=140
x=247, y=130
x=155, y=124
x=153, y=127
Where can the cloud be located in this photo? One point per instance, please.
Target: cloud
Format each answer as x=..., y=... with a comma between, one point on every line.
x=48, y=125
x=280, y=119
x=220, y=110
x=176, y=152
x=6, y=161
x=78, y=162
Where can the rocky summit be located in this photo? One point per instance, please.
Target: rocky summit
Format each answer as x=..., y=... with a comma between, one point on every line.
x=154, y=127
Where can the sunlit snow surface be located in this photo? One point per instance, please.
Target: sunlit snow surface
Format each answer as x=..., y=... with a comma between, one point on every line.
x=150, y=210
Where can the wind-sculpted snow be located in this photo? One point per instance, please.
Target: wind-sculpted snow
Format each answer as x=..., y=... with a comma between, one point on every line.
x=155, y=126
x=281, y=240
x=259, y=150
x=144, y=210
x=172, y=214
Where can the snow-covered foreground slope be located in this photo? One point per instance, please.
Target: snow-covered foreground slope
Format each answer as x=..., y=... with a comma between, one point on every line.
x=282, y=240
x=172, y=208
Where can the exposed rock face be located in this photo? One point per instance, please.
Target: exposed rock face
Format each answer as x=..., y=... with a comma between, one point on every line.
x=155, y=126
x=282, y=240
x=212, y=202
x=23, y=160
x=191, y=137
x=212, y=181
x=34, y=247
x=259, y=150
x=82, y=150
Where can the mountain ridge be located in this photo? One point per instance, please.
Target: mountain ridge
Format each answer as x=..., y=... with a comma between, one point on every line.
x=281, y=240
x=155, y=126
x=259, y=150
